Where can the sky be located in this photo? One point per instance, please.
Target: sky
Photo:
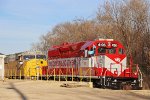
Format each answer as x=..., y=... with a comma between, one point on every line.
x=22, y=22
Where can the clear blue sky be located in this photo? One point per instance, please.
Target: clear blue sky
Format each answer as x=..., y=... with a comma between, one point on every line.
x=22, y=22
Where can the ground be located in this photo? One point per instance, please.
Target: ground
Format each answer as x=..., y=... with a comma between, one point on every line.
x=50, y=90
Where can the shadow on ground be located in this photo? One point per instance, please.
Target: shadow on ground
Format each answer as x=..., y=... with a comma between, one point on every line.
x=17, y=91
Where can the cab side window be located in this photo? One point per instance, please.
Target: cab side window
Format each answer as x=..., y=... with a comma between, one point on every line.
x=121, y=51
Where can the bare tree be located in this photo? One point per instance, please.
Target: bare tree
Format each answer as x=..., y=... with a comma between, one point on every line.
x=127, y=21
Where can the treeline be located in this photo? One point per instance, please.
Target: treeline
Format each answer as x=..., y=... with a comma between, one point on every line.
x=127, y=21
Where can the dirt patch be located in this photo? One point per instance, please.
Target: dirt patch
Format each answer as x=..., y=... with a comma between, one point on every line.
x=46, y=90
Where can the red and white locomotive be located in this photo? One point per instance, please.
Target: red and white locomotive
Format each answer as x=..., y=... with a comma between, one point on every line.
x=103, y=61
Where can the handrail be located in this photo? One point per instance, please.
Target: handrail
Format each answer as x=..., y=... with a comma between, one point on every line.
x=139, y=73
x=105, y=72
x=141, y=79
x=105, y=77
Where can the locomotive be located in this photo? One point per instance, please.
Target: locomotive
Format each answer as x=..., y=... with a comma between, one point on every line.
x=102, y=61
x=26, y=64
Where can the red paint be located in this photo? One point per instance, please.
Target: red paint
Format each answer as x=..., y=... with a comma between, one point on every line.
x=72, y=50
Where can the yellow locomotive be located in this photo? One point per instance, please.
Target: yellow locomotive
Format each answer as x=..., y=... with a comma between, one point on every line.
x=25, y=64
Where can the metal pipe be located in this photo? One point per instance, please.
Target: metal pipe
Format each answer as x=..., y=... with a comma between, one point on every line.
x=47, y=73
x=90, y=73
x=59, y=74
x=54, y=74
x=20, y=74
x=105, y=77
x=72, y=73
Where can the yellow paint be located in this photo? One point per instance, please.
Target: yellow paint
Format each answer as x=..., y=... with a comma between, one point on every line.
x=33, y=67
x=29, y=68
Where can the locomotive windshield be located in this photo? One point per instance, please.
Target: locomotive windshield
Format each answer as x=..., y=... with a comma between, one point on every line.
x=40, y=57
x=112, y=50
x=26, y=57
x=106, y=50
x=101, y=50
